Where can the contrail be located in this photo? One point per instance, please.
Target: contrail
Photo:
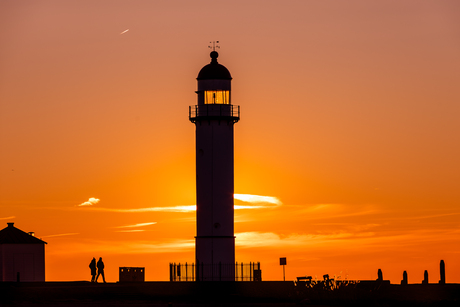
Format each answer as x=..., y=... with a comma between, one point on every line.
x=124, y=31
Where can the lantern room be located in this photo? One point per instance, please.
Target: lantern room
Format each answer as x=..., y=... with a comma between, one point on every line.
x=214, y=93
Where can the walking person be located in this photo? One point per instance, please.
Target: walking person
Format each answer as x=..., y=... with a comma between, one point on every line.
x=92, y=266
x=100, y=269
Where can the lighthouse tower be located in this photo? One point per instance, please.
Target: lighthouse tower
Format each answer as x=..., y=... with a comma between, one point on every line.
x=214, y=117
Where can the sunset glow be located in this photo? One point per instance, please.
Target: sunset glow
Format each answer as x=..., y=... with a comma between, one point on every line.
x=346, y=154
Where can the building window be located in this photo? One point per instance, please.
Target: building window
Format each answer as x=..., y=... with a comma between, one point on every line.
x=217, y=97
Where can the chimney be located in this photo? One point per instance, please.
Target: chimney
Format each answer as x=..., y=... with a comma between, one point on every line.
x=10, y=224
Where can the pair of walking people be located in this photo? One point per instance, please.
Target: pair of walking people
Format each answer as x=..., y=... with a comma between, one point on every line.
x=100, y=269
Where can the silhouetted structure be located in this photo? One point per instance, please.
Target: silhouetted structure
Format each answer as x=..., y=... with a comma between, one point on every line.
x=379, y=275
x=425, y=278
x=442, y=272
x=214, y=117
x=22, y=255
x=404, y=280
x=131, y=274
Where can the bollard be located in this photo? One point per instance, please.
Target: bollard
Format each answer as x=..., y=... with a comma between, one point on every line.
x=404, y=280
x=425, y=278
x=442, y=269
x=379, y=275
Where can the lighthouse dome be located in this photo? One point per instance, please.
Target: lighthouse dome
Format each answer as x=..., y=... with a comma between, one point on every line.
x=214, y=70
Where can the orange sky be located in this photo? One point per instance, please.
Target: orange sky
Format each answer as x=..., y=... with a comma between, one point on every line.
x=349, y=116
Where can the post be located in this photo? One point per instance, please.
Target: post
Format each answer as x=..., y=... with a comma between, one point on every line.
x=186, y=272
x=425, y=278
x=404, y=280
x=236, y=271
x=283, y=263
x=442, y=269
x=379, y=275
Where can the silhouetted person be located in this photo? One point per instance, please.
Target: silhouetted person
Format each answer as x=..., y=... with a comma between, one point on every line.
x=100, y=269
x=442, y=271
x=425, y=278
x=92, y=266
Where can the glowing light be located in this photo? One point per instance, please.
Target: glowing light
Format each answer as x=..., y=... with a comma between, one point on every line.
x=90, y=202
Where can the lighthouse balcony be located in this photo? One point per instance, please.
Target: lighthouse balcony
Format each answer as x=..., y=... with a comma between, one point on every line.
x=214, y=111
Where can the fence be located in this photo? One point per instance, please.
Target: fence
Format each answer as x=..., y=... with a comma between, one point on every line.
x=215, y=272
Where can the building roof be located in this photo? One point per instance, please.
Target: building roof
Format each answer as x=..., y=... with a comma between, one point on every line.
x=214, y=70
x=13, y=235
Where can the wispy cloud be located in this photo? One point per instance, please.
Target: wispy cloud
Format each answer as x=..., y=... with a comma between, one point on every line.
x=125, y=247
x=92, y=201
x=124, y=31
x=149, y=209
x=61, y=235
x=335, y=211
x=137, y=225
x=131, y=230
x=7, y=218
x=258, y=199
x=270, y=239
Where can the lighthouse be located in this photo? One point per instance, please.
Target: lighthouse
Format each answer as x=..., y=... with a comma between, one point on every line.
x=214, y=116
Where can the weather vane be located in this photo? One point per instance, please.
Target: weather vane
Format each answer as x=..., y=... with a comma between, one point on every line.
x=214, y=45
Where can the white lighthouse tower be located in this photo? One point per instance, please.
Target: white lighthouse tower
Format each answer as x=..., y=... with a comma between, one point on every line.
x=214, y=117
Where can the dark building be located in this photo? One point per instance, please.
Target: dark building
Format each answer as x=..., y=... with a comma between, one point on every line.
x=22, y=255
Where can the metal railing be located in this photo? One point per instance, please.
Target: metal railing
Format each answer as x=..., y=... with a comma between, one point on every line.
x=214, y=111
x=215, y=272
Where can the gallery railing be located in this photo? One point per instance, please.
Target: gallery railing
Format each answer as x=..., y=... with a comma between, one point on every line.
x=214, y=111
x=215, y=272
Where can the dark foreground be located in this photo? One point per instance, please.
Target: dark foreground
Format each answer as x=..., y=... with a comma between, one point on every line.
x=268, y=293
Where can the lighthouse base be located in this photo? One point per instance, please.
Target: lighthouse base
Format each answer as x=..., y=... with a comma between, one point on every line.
x=215, y=258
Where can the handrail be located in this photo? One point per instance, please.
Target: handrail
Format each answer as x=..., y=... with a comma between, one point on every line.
x=214, y=111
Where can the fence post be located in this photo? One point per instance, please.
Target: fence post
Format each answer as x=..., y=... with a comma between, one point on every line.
x=174, y=271
x=242, y=273
x=186, y=272
x=236, y=271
